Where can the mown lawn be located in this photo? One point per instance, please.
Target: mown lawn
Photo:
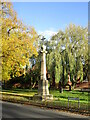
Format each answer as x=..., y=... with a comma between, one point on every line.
x=60, y=99
x=26, y=92
x=83, y=96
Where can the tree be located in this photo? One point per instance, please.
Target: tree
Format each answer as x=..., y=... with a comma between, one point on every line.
x=77, y=39
x=68, y=53
x=18, y=42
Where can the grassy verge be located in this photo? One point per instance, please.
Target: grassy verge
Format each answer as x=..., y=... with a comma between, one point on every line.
x=60, y=100
x=83, y=96
x=26, y=92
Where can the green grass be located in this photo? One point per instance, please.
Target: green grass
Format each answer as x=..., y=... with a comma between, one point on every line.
x=60, y=99
x=26, y=92
x=83, y=96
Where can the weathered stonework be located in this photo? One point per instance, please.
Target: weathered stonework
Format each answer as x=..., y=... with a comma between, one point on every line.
x=43, y=91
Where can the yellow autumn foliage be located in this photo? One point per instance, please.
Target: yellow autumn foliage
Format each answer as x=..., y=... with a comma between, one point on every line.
x=18, y=42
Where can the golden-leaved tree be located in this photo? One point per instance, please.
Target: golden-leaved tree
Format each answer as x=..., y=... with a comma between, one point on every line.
x=18, y=42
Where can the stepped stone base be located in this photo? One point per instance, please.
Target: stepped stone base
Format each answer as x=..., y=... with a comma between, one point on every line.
x=43, y=92
x=42, y=97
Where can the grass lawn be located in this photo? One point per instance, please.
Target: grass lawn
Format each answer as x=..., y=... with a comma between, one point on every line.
x=60, y=99
x=83, y=96
x=26, y=92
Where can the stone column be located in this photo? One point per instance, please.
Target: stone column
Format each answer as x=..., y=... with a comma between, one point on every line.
x=43, y=63
x=43, y=91
x=43, y=83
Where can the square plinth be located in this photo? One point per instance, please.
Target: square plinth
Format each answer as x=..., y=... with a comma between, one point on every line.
x=43, y=87
x=43, y=91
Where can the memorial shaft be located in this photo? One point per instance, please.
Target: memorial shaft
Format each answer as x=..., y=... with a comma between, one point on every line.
x=43, y=91
x=43, y=66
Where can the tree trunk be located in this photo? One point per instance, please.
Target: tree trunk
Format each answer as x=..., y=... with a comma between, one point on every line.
x=60, y=88
x=30, y=82
x=53, y=80
x=69, y=87
x=4, y=84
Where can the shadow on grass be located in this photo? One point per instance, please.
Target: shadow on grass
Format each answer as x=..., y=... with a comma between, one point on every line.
x=20, y=90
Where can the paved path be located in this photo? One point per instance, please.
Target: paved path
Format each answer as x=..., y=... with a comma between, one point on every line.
x=17, y=111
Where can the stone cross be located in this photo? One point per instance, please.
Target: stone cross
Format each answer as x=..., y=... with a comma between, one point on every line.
x=43, y=91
